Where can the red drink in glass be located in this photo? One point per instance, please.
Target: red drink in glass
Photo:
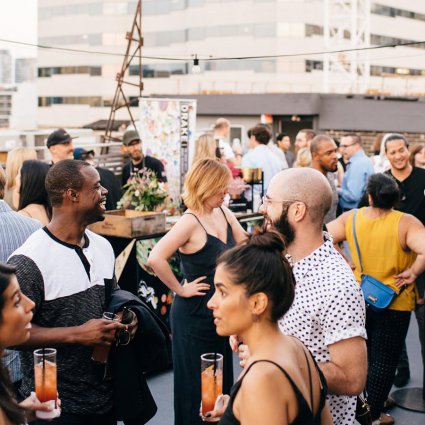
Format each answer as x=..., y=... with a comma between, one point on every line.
x=211, y=380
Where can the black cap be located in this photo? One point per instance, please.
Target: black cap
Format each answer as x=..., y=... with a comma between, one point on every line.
x=81, y=153
x=58, y=137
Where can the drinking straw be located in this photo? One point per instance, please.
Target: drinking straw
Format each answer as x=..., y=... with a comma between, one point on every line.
x=43, y=374
x=215, y=364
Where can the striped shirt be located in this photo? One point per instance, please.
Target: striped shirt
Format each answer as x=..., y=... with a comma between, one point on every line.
x=14, y=231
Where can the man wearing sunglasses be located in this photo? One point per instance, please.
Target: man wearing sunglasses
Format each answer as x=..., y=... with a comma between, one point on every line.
x=359, y=168
x=328, y=313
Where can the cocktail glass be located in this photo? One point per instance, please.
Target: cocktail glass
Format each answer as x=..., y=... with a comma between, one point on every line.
x=101, y=352
x=45, y=377
x=211, y=380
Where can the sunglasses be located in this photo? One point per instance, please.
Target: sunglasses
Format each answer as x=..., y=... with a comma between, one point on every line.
x=127, y=318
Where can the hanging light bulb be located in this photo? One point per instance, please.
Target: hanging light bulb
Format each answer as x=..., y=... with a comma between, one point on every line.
x=196, y=69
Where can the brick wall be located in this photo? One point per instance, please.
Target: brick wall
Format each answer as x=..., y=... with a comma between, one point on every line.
x=368, y=137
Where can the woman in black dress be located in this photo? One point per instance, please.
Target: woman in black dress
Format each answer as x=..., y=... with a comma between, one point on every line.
x=205, y=230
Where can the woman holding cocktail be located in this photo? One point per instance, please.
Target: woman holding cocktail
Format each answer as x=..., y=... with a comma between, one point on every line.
x=15, y=323
x=200, y=236
x=281, y=383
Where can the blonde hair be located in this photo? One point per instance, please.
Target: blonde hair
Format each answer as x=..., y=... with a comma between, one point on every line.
x=15, y=159
x=205, y=147
x=304, y=157
x=206, y=178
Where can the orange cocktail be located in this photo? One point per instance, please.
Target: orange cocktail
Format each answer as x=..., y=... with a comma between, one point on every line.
x=45, y=374
x=211, y=380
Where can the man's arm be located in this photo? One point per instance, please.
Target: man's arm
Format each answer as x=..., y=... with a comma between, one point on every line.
x=346, y=372
x=94, y=332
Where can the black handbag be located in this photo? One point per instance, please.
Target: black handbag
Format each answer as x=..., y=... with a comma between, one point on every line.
x=363, y=414
x=377, y=295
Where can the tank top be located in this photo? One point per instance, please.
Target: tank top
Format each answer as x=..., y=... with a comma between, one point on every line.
x=381, y=252
x=305, y=415
x=203, y=263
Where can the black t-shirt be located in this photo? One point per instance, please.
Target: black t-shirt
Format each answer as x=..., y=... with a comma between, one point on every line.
x=412, y=193
x=148, y=162
x=111, y=182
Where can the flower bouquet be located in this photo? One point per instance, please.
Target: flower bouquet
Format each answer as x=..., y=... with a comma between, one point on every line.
x=143, y=192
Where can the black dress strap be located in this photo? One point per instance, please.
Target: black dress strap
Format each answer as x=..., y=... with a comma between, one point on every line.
x=199, y=221
x=293, y=385
x=227, y=221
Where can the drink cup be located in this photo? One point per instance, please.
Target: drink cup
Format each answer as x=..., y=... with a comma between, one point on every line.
x=101, y=352
x=45, y=377
x=211, y=380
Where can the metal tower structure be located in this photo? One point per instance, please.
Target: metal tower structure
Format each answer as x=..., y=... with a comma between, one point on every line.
x=133, y=54
x=346, y=26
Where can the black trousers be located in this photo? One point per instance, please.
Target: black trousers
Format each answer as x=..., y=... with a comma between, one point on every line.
x=386, y=332
x=73, y=419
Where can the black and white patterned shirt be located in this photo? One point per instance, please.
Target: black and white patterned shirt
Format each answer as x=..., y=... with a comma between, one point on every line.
x=328, y=307
x=67, y=285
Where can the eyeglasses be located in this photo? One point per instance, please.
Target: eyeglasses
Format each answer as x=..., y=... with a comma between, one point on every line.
x=266, y=201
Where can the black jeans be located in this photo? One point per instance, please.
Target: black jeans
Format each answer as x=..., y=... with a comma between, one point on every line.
x=73, y=419
x=386, y=332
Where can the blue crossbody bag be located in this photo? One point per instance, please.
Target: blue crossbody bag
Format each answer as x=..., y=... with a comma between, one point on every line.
x=377, y=295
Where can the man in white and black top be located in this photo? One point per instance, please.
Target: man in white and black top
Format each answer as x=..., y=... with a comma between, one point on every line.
x=64, y=268
x=138, y=160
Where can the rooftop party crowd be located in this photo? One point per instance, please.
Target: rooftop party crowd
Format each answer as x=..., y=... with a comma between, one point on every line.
x=315, y=301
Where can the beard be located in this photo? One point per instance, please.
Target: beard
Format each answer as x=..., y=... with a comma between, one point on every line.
x=285, y=228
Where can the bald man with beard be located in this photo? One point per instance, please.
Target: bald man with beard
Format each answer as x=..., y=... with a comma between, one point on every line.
x=328, y=312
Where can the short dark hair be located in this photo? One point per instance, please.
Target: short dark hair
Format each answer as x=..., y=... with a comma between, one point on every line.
x=395, y=136
x=354, y=137
x=281, y=136
x=315, y=143
x=14, y=413
x=64, y=175
x=262, y=134
x=383, y=190
x=260, y=266
x=33, y=188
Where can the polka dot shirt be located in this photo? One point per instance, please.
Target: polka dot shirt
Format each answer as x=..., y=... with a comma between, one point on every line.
x=328, y=307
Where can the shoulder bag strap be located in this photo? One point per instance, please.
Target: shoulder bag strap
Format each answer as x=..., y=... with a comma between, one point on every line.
x=356, y=242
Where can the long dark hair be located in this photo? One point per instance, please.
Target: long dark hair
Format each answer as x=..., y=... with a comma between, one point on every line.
x=8, y=405
x=33, y=190
x=261, y=266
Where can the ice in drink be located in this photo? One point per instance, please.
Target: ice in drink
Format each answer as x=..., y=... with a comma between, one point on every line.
x=45, y=381
x=212, y=387
x=211, y=380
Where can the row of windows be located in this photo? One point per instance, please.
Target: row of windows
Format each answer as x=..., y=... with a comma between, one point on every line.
x=382, y=39
x=375, y=70
x=70, y=100
x=55, y=70
x=149, y=7
x=90, y=39
x=380, y=9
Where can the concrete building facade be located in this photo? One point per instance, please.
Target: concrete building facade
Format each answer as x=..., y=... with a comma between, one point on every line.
x=75, y=89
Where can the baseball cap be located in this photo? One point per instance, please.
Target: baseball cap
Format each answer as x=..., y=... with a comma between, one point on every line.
x=129, y=136
x=58, y=137
x=81, y=153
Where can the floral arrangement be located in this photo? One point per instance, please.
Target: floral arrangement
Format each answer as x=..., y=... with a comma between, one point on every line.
x=143, y=192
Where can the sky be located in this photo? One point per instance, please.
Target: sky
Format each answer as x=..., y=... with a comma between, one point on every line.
x=18, y=22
